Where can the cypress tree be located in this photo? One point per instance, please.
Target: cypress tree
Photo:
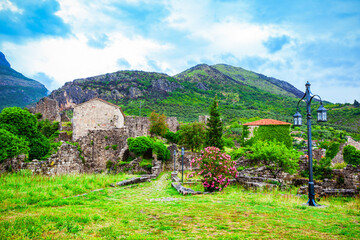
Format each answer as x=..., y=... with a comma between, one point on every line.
x=215, y=127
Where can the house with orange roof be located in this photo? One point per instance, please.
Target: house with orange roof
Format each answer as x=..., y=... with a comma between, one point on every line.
x=263, y=122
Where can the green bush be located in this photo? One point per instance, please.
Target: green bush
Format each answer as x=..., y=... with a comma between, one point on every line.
x=275, y=156
x=238, y=153
x=228, y=142
x=351, y=155
x=332, y=150
x=39, y=147
x=161, y=151
x=114, y=147
x=11, y=145
x=107, y=147
x=172, y=137
x=139, y=145
x=23, y=122
x=47, y=128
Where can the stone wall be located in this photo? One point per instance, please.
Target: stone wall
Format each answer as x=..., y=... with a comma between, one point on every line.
x=204, y=118
x=137, y=126
x=188, y=156
x=140, y=126
x=101, y=146
x=173, y=124
x=66, y=161
x=49, y=109
x=96, y=114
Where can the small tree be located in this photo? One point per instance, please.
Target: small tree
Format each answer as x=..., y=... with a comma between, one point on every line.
x=351, y=155
x=23, y=122
x=276, y=157
x=215, y=127
x=158, y=125
x=215, y=169
x=192, y=135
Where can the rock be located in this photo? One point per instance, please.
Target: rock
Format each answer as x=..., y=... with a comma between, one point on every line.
x=134, y=92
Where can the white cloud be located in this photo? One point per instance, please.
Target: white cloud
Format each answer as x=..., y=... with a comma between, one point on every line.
x=67, y=59
x=8, y=5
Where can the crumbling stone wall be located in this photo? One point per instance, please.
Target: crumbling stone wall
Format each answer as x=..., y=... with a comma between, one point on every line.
x=101, y=146
x=173, y=124
x=96, y=114
x=204, y=118
x=49, y=108
x=66, y=161
x=137, y=126
x=188, y=156
x=140, y=126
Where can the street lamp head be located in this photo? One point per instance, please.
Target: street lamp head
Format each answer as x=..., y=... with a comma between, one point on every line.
x=321, y=114
x=297, y=119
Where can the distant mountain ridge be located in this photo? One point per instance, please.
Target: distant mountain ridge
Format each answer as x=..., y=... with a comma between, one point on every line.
x=16, y=89
x=185, y=95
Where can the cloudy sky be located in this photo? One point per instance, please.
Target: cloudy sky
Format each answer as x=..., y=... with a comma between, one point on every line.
x=56, y=41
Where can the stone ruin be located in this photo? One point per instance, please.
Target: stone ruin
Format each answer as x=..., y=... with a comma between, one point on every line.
x=49, y=109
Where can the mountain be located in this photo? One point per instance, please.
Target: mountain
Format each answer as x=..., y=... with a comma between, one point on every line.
x=260, y=81
x=16, y=89
x=185, y=95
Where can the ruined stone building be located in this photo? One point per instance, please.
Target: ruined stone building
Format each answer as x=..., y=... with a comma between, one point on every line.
x=96, y=114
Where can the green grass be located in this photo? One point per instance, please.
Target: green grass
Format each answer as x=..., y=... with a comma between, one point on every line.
x=154, y=210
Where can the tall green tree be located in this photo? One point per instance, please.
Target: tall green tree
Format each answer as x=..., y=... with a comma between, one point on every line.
x=215, y=127
x=193, y=135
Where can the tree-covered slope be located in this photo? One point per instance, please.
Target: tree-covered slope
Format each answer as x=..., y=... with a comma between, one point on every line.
x=260, y=81
x=16, y=89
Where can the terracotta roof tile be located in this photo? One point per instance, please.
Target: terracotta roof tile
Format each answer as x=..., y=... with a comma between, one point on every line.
x=263, y=122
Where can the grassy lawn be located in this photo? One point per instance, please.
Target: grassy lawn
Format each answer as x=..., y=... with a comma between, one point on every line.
x=32, y=208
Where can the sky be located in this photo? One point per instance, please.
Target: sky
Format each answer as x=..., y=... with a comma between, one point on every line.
x=57, y=41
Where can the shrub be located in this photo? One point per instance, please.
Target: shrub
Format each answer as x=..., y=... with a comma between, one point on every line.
x=161, y=151
x=341, y=165
x=47, y=128
x=107, y=147
x=228, y=142
x=39, y=147
x=114, y=147
x=172, y=137
x=332, y=150
x=139, y=145
x=11, y=145
x=215, y=169
x=351, y=155
x=238, y=153
x=23, y=122
x=275, y=156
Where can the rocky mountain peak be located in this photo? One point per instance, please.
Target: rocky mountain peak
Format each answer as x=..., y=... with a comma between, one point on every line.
x=3, y=61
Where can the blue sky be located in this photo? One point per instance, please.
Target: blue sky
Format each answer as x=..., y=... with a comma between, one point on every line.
x=56, y=41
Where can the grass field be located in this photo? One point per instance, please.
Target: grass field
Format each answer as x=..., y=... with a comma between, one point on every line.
x=34, y=207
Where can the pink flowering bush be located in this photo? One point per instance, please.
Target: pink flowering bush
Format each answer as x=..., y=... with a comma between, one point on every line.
x=215, y=168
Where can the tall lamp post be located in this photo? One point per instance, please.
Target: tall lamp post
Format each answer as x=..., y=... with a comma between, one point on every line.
x=321, y=117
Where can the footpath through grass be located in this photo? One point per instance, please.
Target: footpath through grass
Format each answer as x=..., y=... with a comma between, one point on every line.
x=154, y=210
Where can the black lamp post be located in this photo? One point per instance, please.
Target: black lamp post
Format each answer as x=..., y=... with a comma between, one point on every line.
x=321, y=114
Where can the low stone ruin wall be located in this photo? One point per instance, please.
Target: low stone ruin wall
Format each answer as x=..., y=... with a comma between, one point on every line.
x=101, y=146
x=66, y=161
x=188, y=156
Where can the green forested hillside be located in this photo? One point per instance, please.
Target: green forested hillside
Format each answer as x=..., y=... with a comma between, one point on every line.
x=16, y=90
x=190, y=93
